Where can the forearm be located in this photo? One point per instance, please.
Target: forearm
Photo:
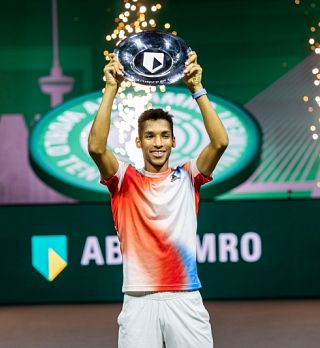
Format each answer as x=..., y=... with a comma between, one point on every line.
x=217, y=133
x=210, y=154
x=99, y=132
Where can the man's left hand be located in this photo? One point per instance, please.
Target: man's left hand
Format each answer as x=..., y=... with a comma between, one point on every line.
x=192, y=73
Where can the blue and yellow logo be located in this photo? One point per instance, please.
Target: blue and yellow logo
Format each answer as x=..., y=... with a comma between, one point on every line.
x=49, y=255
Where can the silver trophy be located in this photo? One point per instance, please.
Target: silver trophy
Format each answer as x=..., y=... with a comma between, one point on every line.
x=153, y=58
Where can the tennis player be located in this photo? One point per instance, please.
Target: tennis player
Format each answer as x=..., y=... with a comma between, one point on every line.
x=155, y=214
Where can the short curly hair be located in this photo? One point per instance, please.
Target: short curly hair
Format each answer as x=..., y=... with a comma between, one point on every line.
x=154, y=114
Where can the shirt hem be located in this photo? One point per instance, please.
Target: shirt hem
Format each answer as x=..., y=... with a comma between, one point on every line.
x=181, y=287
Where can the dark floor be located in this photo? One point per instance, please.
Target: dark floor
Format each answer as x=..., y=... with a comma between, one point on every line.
x=237, y=324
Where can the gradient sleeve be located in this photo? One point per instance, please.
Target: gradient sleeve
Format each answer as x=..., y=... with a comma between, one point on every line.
x=198, y=179
x=114, y=183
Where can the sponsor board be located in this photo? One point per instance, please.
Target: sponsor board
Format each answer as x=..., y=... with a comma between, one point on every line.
x=49, y=253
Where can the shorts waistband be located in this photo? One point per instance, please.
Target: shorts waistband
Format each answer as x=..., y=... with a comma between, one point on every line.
x=159, y=295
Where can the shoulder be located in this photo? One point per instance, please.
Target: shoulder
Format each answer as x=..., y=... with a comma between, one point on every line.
x=117, y=179
x=190, y=167
x=195, y=175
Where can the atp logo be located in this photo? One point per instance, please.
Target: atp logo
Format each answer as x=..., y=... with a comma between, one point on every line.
x=49, y=255
x=153, y=61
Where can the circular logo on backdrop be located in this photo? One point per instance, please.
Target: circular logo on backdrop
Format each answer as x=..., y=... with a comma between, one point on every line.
x=58, y=143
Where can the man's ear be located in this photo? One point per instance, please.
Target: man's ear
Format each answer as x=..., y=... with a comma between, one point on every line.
x=138, y=142
x=173, y=141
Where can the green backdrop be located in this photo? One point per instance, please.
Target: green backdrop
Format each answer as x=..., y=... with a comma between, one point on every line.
x=243, y=46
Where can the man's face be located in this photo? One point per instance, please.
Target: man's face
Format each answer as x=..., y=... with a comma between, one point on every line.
x=156, y=142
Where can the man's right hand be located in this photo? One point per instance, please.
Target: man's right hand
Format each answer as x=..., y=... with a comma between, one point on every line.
x=113, y=72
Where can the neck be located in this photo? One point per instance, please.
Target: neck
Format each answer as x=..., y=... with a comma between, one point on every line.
x=156, y=169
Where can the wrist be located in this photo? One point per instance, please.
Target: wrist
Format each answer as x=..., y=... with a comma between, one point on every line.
x=196, y=88
x=199, y=93
x=111, y=89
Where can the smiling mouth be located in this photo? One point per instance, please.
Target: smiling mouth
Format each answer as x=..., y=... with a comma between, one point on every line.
x=158, y=153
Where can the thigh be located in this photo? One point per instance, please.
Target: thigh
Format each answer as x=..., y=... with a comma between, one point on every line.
x=187, y=323
x=139, y=324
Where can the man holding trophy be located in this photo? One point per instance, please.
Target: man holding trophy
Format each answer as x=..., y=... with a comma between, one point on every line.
x=155, y=214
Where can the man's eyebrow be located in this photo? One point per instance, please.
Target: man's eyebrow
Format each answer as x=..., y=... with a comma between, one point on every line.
x=152, y=132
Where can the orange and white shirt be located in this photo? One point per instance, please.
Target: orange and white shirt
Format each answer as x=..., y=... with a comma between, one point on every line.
x=155, y=216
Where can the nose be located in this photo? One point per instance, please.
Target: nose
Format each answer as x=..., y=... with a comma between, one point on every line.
x=157, y=141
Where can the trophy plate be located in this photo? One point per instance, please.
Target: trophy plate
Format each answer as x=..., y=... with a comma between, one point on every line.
x=153, y=58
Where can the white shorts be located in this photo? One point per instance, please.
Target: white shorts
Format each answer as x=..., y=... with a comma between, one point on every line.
x=164, y=319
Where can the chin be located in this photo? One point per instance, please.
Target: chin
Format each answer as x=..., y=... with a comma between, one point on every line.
x=158, y=162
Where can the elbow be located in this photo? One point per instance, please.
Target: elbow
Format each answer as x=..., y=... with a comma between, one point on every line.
x=221, y=148
x=223, y=144
x=95, y=153
x=95, y=150
x=225, y=141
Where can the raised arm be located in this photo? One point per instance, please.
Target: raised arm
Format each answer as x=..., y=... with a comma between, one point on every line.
x=210, y=154
x=98, y=137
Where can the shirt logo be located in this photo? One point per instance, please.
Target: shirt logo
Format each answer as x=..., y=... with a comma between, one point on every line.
x=49, y=255
x=175, y=175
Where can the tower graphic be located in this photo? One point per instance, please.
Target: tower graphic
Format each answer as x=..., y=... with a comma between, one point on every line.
x=56, y=84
